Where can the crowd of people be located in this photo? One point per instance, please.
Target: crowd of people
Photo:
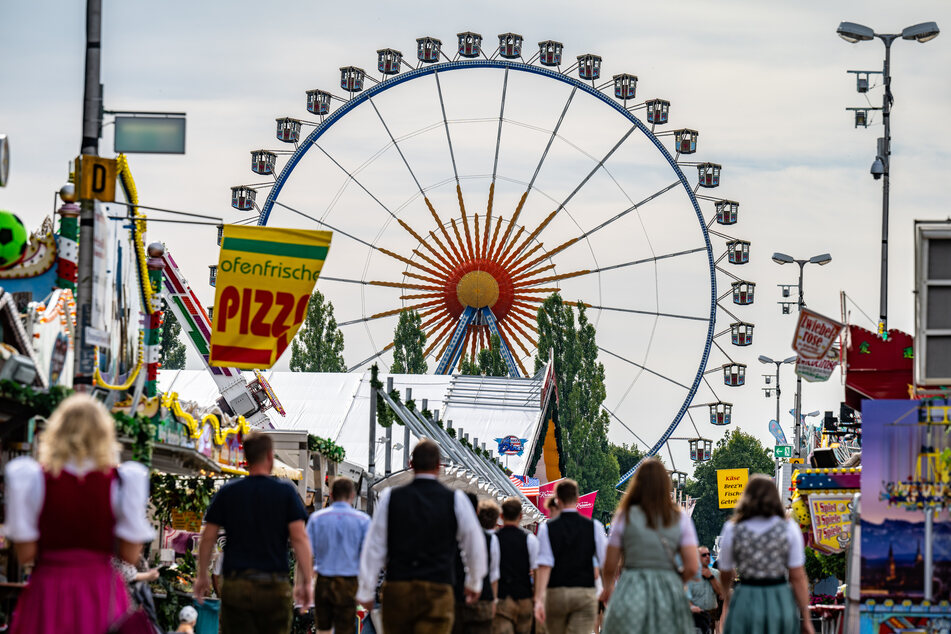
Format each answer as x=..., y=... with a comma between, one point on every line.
x=430, y=560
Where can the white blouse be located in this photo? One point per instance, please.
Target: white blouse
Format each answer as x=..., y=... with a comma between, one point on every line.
x=688, y=533
x=26, y=488
x=759, y=525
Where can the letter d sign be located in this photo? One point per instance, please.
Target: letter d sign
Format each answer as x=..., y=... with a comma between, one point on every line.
x=97, y=178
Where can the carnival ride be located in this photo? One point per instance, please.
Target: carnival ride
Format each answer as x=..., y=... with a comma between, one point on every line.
x=581, y=195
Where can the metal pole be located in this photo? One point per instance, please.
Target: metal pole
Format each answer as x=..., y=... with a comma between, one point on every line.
x=886, y=161
x=797, y=451
x=92, y=103
x=409, y=397
x=929, y=551
x=777, y=391
x=371, y=459
x=388, y=456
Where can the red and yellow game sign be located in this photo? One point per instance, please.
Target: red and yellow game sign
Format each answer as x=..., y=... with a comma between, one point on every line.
x=265, y=278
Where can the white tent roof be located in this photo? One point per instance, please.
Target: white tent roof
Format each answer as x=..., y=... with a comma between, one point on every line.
x=336, y=406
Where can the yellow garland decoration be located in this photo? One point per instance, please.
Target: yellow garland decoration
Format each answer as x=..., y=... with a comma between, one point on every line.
x=97, y=377
x=170, y=400
x=138, y=231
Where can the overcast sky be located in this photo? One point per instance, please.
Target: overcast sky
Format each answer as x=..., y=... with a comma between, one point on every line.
x=765, y=83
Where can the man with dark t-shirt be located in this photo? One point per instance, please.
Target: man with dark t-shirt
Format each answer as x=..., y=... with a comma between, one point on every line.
x=414, y=532
x=259, y=514
x=565, y=598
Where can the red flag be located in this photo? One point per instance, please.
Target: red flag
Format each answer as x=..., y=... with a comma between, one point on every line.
x=586, y=503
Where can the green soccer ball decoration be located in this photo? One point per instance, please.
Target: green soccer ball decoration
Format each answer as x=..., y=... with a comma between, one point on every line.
x=13, y=239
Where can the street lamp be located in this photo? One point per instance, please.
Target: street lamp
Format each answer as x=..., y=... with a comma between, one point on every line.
x=764, y=359
x=852, y=33
x=821, y=260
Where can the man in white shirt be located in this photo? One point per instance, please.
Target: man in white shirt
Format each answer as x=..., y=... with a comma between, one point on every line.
x=565, y=596
x=414, y=533
x=518, y=551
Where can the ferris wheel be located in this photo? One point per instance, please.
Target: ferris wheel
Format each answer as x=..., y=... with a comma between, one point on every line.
x=470, y=188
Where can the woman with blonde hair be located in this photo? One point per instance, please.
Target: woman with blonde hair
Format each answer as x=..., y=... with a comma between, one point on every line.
x=67, y=514
x=766, y=550
x=648, y=532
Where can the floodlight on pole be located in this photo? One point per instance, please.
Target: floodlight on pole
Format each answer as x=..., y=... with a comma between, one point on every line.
x=821, y=260
x=852, y=32
x=782, y=258
x=923, y=32
x=881, y=167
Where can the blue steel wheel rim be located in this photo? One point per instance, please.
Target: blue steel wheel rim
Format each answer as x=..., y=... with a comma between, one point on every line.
x=423, y=71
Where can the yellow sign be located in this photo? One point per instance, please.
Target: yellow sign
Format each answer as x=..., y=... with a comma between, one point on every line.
x=796, y=461
x=265, y=278
x=831, y=520
x=730, y=485
x=97, y=178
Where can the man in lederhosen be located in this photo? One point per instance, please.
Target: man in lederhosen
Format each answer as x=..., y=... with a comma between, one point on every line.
x=414, y=532
x=565, y=596
x=519, y=557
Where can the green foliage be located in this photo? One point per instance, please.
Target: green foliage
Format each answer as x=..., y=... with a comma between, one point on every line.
x=171, y=350
x=39, y=402
x=326, y=447
x=176, y=582
x=736, y=450
x=318, y=346
x=588, y=457
x=820, y=566
x=384, y=415
x=626, y=456
x=409, y=341
x=185, y=493
x=489, y=361
x=141, y=430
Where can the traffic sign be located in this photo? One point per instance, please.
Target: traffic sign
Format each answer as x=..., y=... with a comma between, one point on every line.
x=782, y=451
x=97, y=178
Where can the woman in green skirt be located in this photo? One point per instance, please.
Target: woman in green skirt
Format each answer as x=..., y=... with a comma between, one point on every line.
x=647, y=533
x=766, y=551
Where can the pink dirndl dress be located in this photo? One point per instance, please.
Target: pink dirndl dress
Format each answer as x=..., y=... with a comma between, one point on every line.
x=74, y=587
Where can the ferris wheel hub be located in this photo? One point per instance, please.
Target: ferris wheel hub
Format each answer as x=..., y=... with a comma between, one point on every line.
x=477, y=289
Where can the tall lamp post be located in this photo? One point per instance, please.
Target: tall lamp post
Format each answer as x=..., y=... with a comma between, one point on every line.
x=764, y=359
x=853, y=33
x=821, y=260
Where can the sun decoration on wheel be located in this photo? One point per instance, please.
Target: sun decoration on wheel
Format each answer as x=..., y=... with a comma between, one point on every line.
x=484, y=232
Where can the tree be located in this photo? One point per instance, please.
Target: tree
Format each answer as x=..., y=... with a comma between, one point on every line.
x=489, y=362
x=172, y=350
x=318, y=346
x=409, y=340
x=588, y=457
x=736, y=450
x=626, y=456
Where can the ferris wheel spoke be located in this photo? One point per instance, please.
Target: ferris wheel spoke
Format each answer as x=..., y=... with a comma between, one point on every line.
x=341, y=279
x=522, y=317
x=465, y=220
x=422, y=296
x=498, y=135
x=538, y=169
x=434, y=341
x=516, y=334
x=624, y=425
x=323, y=224
x=552, y=278
x=652, y=313
x=503, y=255
x=406, y=260
x=520, y=259
x=396, y=145
x=419, y=239
x=425, y=257
x=578, y=188
x=442, y=227
x=720, y=348
x=518, y=278
x=439, y=317
x=648, y=260
x=508, y=230
x=545, y=256
x=475, y=232
x=441, y=246
x=643, y=367
x=442, y=107
x=634, y=207
x=423, y=278
x=404, y=286
x=353, y=178
x=371, y=357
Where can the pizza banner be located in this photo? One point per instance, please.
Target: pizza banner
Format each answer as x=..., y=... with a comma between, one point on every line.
x=265, y=278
